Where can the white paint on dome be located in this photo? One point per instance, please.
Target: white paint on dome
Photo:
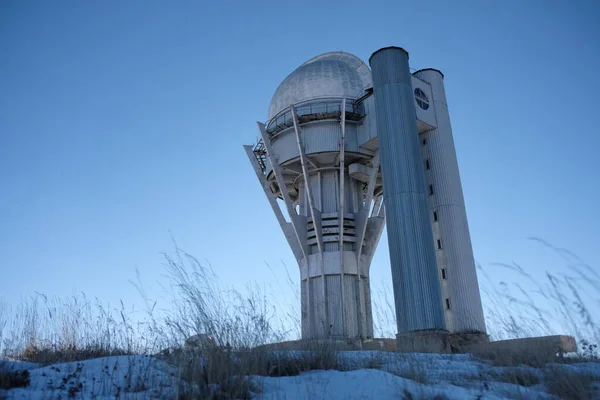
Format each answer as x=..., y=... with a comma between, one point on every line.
x=335, y=74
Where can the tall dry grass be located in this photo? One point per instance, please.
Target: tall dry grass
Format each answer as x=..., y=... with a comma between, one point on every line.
x=48, y=330
x=564, y=302
x=526, y=304
x=200, y=304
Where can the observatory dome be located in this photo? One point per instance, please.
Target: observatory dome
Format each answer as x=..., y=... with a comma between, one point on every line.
x=336, y=74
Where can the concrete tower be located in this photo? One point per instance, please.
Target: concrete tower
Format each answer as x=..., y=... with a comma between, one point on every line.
x=334, y=128
x=455, y=260
x=311, y=155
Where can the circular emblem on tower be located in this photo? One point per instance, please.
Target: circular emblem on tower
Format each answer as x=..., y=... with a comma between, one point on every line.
x=421, y=99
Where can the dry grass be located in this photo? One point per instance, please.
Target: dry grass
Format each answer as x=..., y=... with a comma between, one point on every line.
x=219, y=373
x=53, y=355
x=507, y=358
x=406, y=395
x=238, y=322
x=572, y=385
x=518, y=376
x=13, y=379
x=526, y=305
x=409, y=367
x=47, y=331
x=560, y=303
x=200, y=304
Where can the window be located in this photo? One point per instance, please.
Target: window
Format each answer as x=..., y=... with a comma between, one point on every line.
x=447, y=303
x=424, y=142
x=427, y=166
x=435, y=217
x=439, y=244
x=444, y=273
x=431, y=190
x=421, y=99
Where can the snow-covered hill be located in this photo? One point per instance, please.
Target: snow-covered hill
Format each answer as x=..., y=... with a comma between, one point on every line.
x=367, y=375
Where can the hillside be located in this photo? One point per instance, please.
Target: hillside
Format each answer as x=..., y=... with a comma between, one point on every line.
x=358, y=375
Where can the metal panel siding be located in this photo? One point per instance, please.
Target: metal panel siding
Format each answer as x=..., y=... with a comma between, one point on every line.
x=331, y=246
x=414, y=273
x=368, y=309
x=452, y=228
x=443, y=172
x=317, y=305
x=302, y=196
x=334, y=304
x=321, y=136
x=351, y=192
x=351, y=143
x=401, y=162
x=330, y=190
x=414, y=267
x=285, y=145
x=368, y=129
x=318, y=137
x=304, y=309
x=324, y=136
x=351, y=304
x=461, y=274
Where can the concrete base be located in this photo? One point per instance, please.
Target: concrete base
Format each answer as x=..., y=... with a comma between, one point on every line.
x=434, y=341
x=525, y=350
x=459, y=341
x=479, y=344
x=382, y=344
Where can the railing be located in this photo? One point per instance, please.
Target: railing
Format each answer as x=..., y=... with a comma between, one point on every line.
x=260, y=152
x=315, y=110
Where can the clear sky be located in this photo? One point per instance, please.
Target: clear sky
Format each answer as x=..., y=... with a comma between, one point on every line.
x=122, y=123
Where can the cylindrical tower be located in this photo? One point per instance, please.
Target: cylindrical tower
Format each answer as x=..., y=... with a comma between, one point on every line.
x=412, y=254
x=460, y=289
x=309, y=156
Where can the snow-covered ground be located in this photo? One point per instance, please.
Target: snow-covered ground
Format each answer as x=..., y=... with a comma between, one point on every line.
x=378, y=375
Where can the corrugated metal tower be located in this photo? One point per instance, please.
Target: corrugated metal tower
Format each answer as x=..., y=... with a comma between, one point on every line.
x=318, y=155
x=412, y=254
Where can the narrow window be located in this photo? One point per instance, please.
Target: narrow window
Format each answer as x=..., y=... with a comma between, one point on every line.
x=424, y=142
x=431, y=190
x=447, y=303
x=435, y=218
x=443, y=273
x=427, y=164
x=439, y=243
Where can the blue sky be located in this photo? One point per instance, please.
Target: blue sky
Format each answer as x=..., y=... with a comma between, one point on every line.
x=122, y=123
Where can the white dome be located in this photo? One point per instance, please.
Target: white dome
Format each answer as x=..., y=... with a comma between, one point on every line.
x=335, y=74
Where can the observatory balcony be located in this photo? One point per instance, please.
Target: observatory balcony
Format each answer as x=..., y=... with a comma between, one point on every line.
x=316, y=110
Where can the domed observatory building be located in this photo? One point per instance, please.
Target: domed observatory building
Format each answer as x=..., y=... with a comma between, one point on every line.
x=343, y=150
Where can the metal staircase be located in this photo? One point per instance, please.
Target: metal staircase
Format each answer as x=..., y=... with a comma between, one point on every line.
x=260, y=152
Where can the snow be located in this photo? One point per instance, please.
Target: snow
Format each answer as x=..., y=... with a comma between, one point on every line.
x=127, y=377
x=359, y=384
x=370, y=375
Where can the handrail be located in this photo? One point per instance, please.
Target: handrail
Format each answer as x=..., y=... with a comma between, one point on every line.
x=314, y=110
